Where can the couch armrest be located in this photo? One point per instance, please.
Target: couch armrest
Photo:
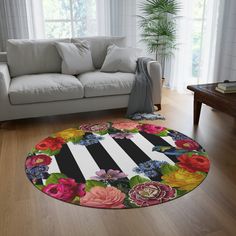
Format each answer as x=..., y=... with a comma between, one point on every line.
x=154, y=70
x=4, y=79
x=3, y=57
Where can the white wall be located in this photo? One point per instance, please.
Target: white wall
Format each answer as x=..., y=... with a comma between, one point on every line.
x=227, y=61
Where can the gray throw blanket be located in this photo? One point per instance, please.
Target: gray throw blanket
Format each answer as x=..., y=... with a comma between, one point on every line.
x=141, y=95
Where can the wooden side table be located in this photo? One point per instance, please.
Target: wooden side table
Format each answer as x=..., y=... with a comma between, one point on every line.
x=206, y=93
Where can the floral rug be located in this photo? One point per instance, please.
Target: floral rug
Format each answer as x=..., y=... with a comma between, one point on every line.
x=121, y=164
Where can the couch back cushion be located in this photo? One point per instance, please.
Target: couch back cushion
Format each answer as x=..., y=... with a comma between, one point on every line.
x=26, y=57
x=98, y=46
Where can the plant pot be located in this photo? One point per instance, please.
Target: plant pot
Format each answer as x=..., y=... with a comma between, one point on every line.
x=162, y=82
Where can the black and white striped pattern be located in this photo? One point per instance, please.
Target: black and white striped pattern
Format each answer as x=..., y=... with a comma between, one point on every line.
x=81, y=162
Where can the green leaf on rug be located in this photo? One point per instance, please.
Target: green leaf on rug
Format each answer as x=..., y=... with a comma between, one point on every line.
x=197, y=153
x=167, y=169
x=75, y=140
x=180, y=192
x=76, y=200
x=92, y=183
x=33, y=151
x=162, y=134
x=132, y=131
x=137, y=180
x=129, y=204
x=122, y=184
x=54, y=177
x=103, y=132
x=40, y=187
x=48, y=152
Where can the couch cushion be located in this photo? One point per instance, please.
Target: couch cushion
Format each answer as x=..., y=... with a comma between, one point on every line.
x=44, y=88
x=76, y=57
x=98, y=46
x=121, y=59
x=33, y=56
x=98, y=83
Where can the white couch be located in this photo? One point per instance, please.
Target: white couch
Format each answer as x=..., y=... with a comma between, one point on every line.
x=31, y=83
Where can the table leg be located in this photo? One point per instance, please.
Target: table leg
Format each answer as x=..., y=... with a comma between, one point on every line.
x=197, y=111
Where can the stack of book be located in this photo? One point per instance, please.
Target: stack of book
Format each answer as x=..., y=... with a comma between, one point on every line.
x=226, y=87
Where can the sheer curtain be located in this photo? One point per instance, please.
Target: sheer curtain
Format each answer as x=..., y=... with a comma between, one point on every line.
x=117, y=18
x=180, y=67
x=35, y=19
x=20, y=19
x=103, y=17
x=13, y=23
x=211, y=40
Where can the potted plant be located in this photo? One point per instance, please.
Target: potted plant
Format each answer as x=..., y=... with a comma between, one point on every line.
x=158, y=26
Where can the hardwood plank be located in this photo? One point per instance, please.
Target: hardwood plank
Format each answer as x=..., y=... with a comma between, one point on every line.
x=208, y=210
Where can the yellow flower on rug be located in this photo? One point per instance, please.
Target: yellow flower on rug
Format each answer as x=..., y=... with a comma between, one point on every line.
x=69, y=134
x=183, y=179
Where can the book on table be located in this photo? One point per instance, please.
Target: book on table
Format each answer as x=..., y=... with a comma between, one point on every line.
x=230, y=86
x=225, y=91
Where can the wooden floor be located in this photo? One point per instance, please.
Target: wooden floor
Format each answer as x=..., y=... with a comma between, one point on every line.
x=208, y=210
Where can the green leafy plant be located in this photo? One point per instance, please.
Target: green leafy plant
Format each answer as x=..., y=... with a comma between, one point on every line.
x=158, y=27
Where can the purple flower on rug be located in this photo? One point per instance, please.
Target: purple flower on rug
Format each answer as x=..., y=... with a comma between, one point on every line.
x=109, y=175
x=90, y=139
x=176, y=135
x=121, y=135
x=37, y=172
x=151, y=193
x=149, y=168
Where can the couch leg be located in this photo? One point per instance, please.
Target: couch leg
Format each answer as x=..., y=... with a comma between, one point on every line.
x=158, y=107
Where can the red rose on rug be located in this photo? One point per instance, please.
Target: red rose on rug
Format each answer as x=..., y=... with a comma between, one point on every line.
x=103, y=197
x=151, y=129
x=151, y=193
x=187, y=144
x=38, y=161
x=66, y=189
x=194, y=163
x=50, y=143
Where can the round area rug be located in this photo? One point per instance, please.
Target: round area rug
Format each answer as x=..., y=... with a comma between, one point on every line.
x=121, y=164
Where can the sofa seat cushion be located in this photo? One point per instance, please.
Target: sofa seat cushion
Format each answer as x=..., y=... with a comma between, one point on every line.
x=44, y=88
x=97, y=84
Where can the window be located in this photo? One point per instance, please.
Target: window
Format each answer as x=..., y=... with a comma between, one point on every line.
x=69, y=18
x=198, y=27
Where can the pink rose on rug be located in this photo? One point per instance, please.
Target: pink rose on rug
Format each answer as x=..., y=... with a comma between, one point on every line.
x=38, y=161
x=151, y=129
x=79, y=188
x=94, y=127
x=187, y=144
x=103, y=197
x=151, y=193
x=125, y=125
x=109, y=175
x=66, y=189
